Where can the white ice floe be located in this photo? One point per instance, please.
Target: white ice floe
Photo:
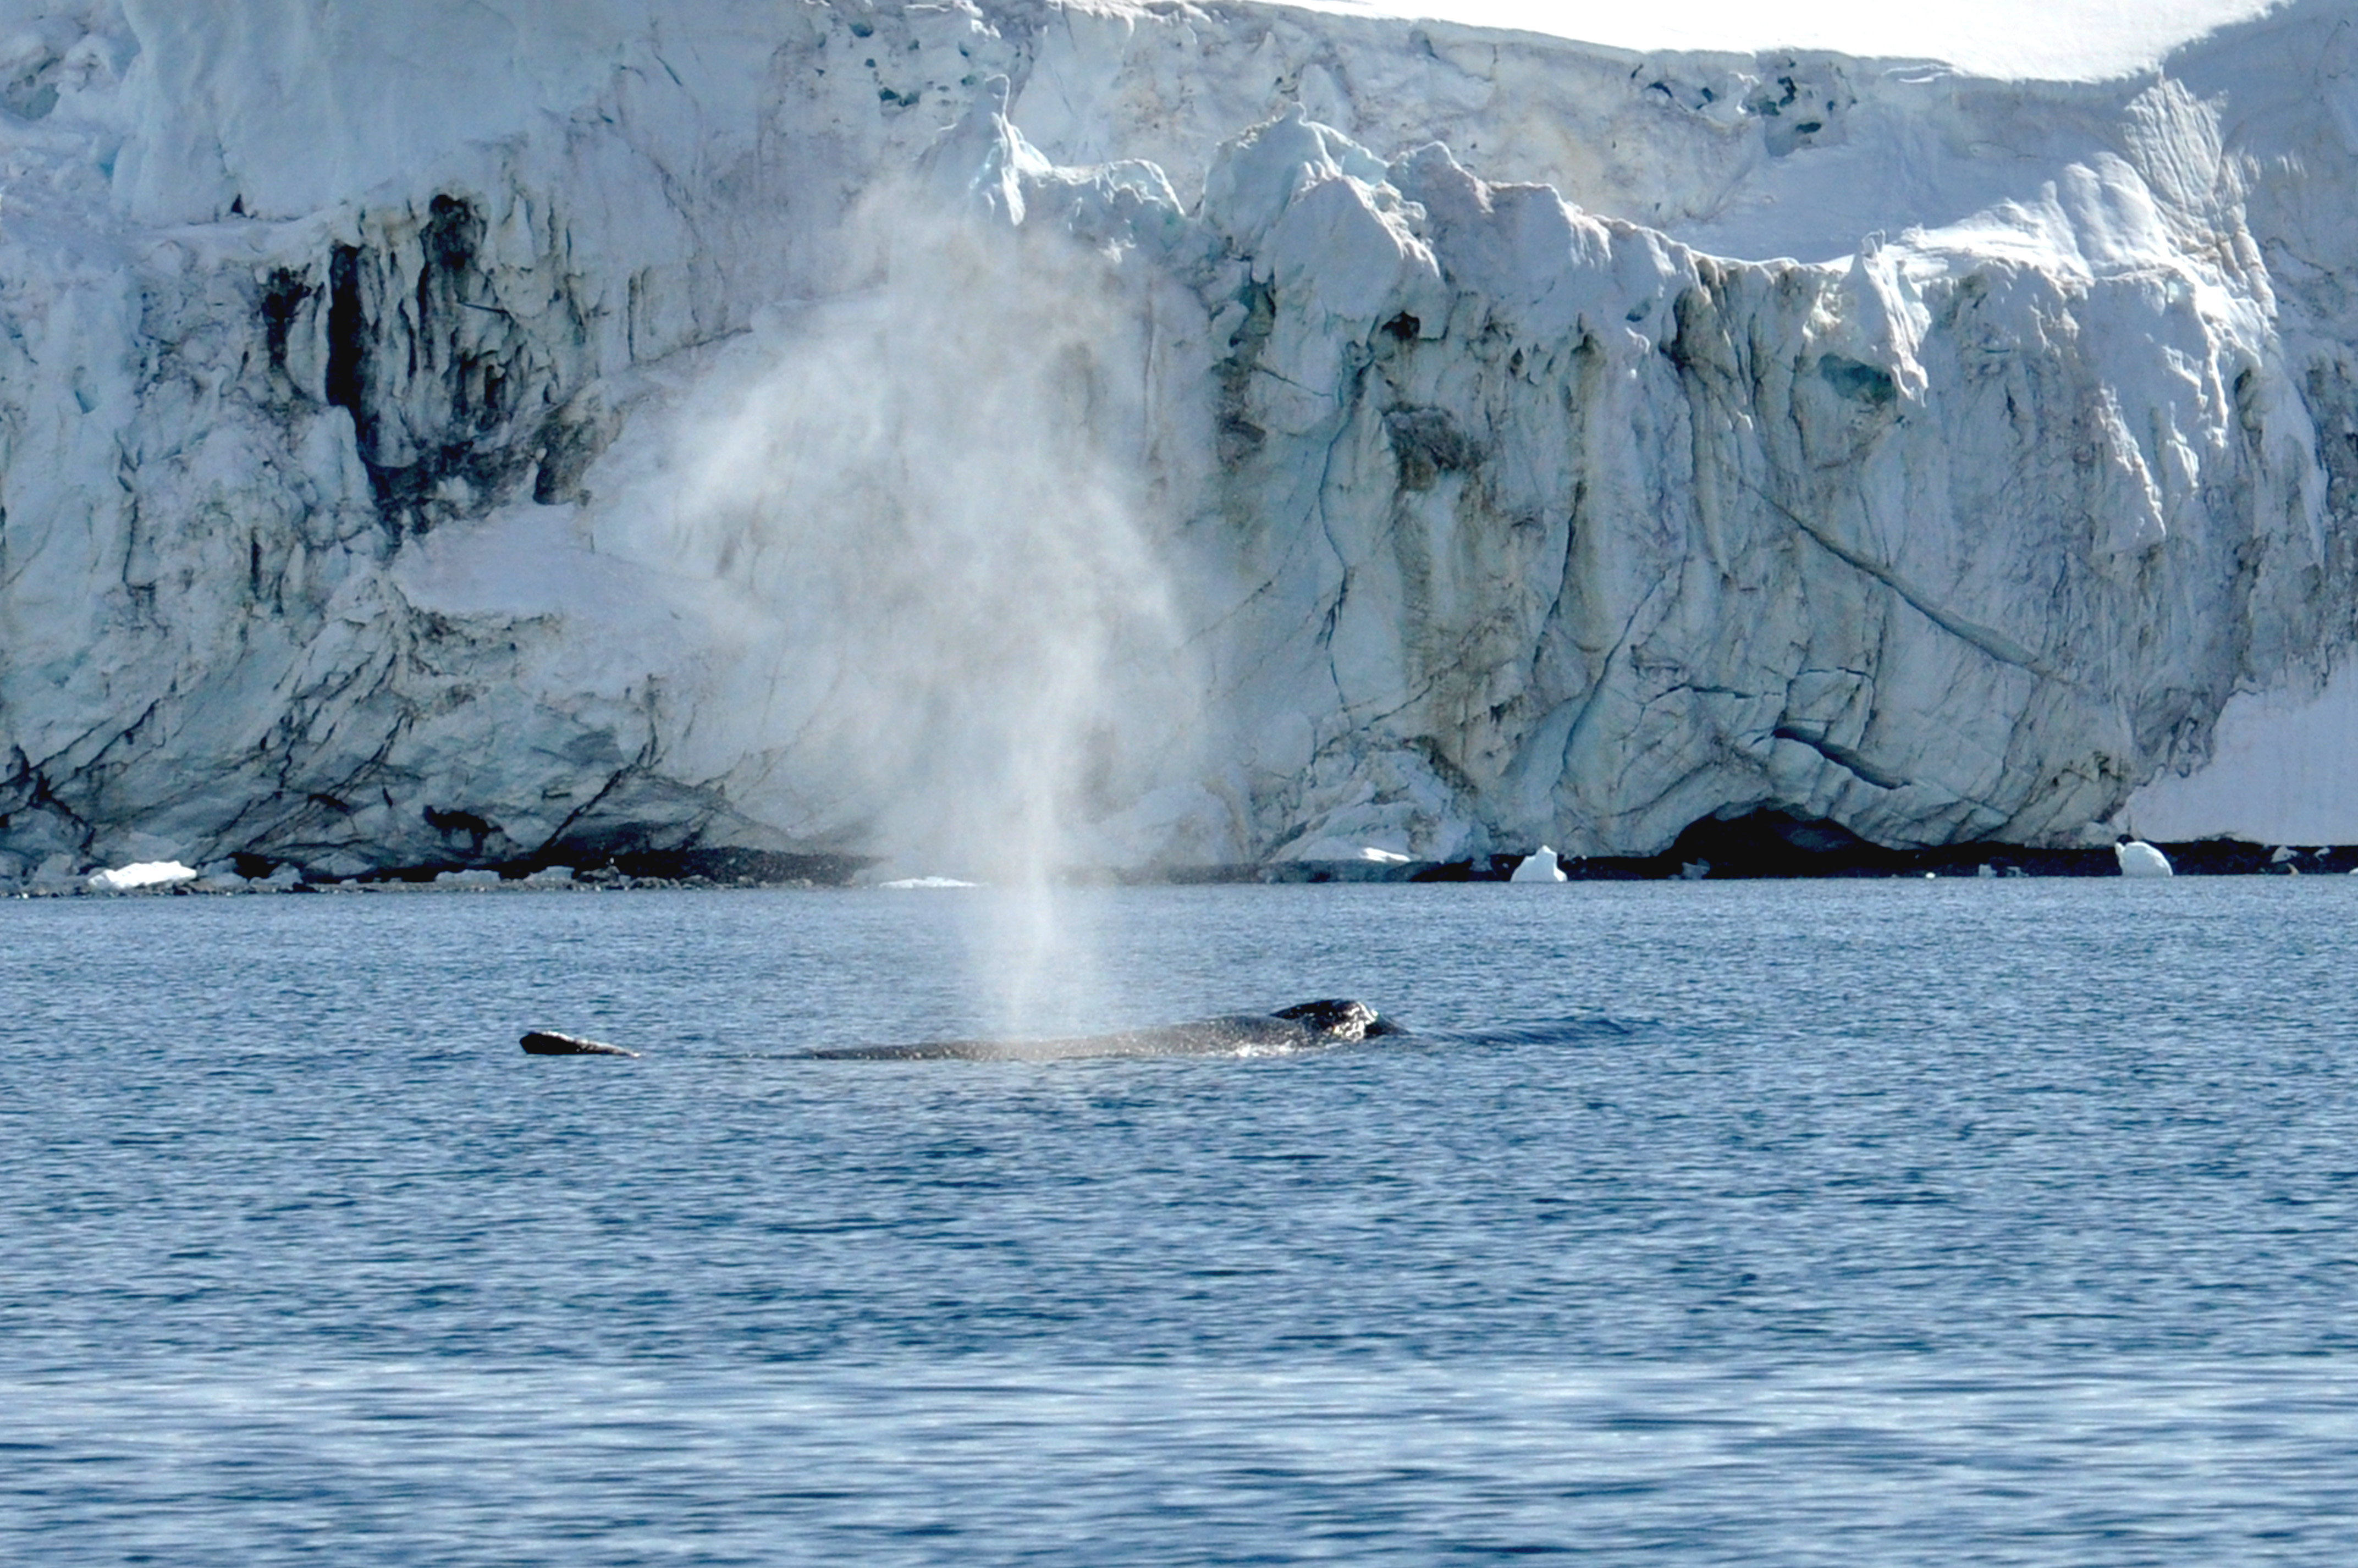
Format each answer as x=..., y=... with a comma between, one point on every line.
x=1539, y=867
x=2139, y=858
x=142, y=874
x=927, y=883
x=478, y=877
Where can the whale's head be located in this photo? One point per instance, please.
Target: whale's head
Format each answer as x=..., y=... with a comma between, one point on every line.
x=1339, y=1018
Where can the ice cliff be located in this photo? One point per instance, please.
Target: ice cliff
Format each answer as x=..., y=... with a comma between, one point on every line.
x=1167, y=433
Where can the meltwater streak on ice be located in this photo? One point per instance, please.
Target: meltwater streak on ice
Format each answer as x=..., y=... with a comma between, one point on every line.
x=931, y=502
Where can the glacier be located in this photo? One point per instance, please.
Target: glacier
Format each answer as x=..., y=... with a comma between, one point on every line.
x=1154, y=436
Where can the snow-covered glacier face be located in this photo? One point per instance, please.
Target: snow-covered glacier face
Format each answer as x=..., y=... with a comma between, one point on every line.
x=1132, y=435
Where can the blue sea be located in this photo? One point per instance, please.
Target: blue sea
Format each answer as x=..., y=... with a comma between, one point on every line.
x=1770, y=1223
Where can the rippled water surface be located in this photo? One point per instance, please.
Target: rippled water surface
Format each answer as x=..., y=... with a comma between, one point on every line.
x=1772, y=1223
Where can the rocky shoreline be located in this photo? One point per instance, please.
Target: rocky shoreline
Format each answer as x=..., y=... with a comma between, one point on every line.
x=625, y=872
x=1775, y=845
x=1764, y=846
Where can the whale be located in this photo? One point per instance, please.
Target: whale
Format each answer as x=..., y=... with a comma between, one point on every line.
x=1306, y=1026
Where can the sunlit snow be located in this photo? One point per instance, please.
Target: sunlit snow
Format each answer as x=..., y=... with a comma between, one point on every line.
x=2065, y=40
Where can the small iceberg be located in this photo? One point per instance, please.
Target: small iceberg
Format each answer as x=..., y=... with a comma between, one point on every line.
x=143, y=874
x=482, y=877
x=2139, y=858
x=928, y=882
x=1540, y=866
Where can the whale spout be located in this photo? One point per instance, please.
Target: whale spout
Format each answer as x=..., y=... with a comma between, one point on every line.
x=548, y=1042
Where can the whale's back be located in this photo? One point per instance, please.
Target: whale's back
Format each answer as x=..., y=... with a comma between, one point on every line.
x=1306, y=1026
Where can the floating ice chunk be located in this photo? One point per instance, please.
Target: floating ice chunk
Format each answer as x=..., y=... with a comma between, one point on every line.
x=478, y=877
x=552, y=876
x=2139, y=858
x=2280, y=854
x=928, y=882
x=1539, y=867
x=283, y=879
x=143, y=874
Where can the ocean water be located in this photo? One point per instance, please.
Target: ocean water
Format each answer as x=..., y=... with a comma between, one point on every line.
x=1860, y=1223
